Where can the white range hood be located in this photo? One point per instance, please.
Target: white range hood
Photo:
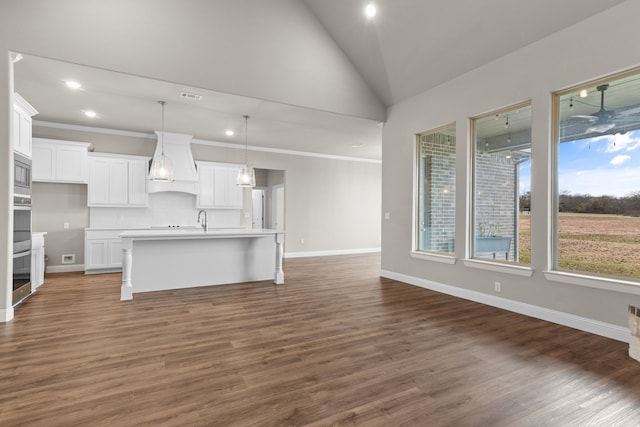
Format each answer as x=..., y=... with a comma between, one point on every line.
x=177, y=147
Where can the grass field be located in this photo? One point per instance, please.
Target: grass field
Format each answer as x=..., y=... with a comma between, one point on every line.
x=601, y=244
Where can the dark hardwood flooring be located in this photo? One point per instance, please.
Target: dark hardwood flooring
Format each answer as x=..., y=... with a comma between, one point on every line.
x=335, y=345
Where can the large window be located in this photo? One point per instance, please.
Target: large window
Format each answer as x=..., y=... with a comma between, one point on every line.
x=501, y=185
x=598, y=177
x=436, y=190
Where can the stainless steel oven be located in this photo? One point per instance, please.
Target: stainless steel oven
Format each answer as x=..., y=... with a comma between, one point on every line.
x=21, y=228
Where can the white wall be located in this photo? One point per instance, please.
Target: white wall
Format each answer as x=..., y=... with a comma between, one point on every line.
x=604, y=44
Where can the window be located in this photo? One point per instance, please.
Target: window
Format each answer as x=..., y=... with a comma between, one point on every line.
x=598, y=177
x=437, y=190
x=501, y=185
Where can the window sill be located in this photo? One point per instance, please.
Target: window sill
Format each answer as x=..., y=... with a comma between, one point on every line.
x=593, y=282
x=517, y=270
x=445, y=259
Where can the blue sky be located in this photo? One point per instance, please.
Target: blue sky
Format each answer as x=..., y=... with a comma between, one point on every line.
x=606, y=165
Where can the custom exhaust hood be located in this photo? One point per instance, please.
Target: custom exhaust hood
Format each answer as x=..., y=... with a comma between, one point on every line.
x=177, y=147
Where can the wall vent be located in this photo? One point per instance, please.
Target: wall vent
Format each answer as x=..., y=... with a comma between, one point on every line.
x=192, y=96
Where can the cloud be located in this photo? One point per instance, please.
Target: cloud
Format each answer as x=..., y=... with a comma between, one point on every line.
x=600, y=182
x=619, y=159
x=618, y=142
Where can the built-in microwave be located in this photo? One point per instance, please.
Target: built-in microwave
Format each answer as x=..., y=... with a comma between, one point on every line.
x=21, y=178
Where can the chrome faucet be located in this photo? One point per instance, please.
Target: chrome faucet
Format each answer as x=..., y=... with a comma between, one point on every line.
x=203, y=223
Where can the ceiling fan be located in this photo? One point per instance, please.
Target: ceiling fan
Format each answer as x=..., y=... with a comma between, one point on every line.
x=602, y=120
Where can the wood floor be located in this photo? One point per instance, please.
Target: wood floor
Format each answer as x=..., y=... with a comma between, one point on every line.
x=335, y=345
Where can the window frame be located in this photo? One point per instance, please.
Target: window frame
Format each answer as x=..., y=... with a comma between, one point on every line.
x=416, y=252
x=554, y=272
x=472, y=260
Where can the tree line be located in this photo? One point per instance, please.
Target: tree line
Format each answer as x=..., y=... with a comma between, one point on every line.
x=584, y=203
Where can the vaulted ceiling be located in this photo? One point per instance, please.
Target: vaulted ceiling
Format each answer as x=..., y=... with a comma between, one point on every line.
x=414, y=45
x=315, y=75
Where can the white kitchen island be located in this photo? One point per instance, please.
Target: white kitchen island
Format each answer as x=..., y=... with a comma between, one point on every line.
x=156, y=260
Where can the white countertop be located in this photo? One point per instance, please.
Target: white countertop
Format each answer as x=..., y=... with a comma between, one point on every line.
x=190, y=233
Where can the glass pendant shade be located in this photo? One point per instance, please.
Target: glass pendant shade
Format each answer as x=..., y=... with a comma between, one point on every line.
x=161, y=169
x=246, y=177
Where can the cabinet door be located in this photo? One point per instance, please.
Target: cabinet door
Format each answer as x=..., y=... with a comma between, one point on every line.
x=98, y=187
x=70, y=164
x=205, y=187
x=15, y=131
x=138, y=174
x=115, y=253
x=97, y=254
x=24, y=140
x=37, y=267
x=118, y=182
x=43, y=162
x=234, y=193
x=220, y=185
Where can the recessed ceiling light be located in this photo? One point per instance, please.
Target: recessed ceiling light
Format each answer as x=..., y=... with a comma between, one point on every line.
x=229, y=132
x=91, y=114
x=370, y=11
x=357, y=145
x=72, y=84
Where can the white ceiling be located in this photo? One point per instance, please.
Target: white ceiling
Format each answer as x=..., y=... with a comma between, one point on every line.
x=411, y=46
x=414, y=45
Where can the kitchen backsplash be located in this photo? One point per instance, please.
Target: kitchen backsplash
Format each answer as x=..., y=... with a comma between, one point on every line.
x=170, y=208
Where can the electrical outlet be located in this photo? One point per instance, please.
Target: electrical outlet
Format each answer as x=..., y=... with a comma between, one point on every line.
x=301, y=241
x=497, y=286
x=65, y=225
x=387, y=215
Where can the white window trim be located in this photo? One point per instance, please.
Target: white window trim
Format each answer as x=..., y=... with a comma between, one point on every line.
x=435, y=257
x=605, y=283
x=517, y=270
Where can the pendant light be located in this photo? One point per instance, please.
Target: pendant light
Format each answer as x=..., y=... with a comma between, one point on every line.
x=161, y=168
x=246, y=176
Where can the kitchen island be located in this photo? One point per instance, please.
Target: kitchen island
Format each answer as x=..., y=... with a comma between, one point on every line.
x=156, y=260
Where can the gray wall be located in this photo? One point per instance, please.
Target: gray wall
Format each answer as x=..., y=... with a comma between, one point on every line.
x=532, y=73
x=332, y=205
x=54, y=205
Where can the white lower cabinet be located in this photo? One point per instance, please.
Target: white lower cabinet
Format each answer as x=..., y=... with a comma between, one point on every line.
x=102, y=251
x=37, y=260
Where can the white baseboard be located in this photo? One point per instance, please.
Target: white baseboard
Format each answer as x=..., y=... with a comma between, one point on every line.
x=6, y=315
x=64, y=268
x=331, y=253
x=608, y=330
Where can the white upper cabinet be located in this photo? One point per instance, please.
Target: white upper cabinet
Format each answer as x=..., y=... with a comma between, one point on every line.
x=21, y=133
x=217, y=186
x=117, y=180
x=59, y=161
x=138, y=179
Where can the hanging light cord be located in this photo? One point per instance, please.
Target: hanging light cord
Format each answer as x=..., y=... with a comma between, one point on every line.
x=163, y=103
x=246, y=137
